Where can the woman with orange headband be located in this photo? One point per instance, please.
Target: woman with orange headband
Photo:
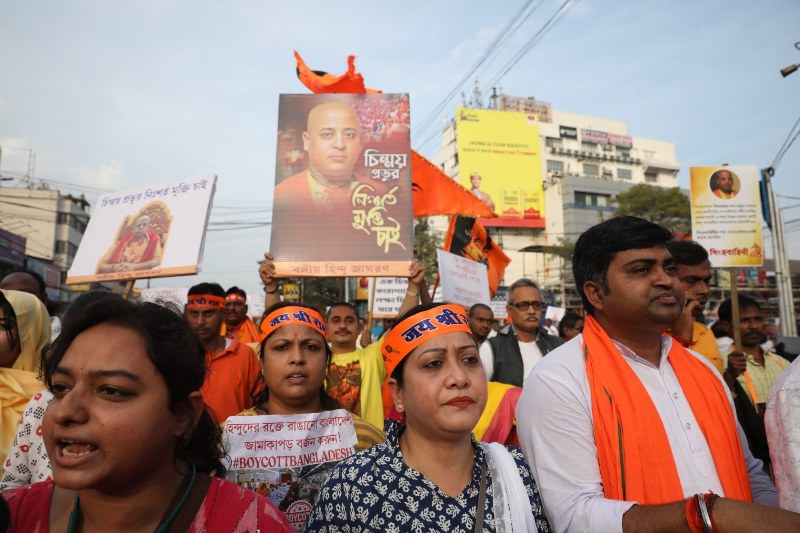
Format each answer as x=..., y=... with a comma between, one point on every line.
x=294, y=356
x=431, y=474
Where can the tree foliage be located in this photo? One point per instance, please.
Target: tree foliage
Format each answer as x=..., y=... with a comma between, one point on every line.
x=426, y=242
x=667, y=207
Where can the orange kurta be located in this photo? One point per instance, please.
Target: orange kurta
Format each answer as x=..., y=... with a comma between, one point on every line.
x=233, y=378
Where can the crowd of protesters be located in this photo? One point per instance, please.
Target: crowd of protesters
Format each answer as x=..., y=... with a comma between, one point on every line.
x=624, y=416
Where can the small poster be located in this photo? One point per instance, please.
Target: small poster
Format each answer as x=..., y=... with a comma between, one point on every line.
x=150, y=232
x=389, y=296
x=342, y=199
x=464, y=281
x=286, y=458
x=726, y=214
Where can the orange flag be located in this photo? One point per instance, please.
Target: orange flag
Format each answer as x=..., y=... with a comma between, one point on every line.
x=434, y=192
x=322, y=82
x=467, y=237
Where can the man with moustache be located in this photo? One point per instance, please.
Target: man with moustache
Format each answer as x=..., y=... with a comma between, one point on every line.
x=754, y=368
x=480, y=317
x=234, y=374
x=509, y=356
x=625, y=429
x=693, y=270
x=237, y=324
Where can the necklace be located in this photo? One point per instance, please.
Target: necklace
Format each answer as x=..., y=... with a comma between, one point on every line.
x=163, y=527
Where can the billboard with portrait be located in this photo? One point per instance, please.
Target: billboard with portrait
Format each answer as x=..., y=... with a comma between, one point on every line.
x=149, y=232
x=499, y=160
x=726, y=214
x=342, y=200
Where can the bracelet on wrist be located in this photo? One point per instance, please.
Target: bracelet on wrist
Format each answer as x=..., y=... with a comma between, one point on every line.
x=412, y=293
x=269, y=291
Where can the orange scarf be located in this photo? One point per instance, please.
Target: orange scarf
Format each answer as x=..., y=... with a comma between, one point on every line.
x=636, y=462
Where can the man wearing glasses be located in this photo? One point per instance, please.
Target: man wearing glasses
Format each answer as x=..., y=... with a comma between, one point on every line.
x=510, y=356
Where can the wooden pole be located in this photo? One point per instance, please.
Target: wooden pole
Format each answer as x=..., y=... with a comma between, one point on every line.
x=368, y=324
x=737, y=333
x=128, y=288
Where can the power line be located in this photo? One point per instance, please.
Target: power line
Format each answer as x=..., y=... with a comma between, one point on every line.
x=787, y=143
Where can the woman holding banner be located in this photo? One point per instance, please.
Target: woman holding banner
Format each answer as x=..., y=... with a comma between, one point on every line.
x=131, y=443
x=431, y=474
x=294, y=356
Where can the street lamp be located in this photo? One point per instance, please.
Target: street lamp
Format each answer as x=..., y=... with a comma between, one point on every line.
x=791, y=68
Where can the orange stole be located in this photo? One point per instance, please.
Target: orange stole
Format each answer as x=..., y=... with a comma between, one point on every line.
x=633, y=451
x=247, y=332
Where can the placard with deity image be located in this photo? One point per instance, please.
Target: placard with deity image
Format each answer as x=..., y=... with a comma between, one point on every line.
x=149, y=232
x=287, y=458
x=342, y=199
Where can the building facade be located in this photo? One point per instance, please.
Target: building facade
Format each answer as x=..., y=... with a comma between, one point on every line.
x=586, y=162
x=52, y=225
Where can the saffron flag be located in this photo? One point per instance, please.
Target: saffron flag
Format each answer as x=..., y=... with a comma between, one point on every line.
x=434, y=192
x=468, y=238
x=322, y=82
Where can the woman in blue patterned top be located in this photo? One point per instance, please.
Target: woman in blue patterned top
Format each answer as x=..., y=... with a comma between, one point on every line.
x=431, y=474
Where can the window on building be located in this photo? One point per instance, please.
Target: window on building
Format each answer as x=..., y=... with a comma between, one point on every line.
x=588, y=147
x=78, y=224
x=651, y=177
x=63, y=218
x=555, y=166
x=624, y=173
x=552, y=142
x=590, y=199
x=623, y=152
x=591, y=170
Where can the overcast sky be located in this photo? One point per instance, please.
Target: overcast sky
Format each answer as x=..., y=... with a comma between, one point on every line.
x=114, y=95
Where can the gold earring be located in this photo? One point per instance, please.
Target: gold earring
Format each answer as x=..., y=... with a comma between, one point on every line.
x=400, y=407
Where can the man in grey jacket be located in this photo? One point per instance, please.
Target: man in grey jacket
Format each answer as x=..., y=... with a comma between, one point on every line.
x=509, y=356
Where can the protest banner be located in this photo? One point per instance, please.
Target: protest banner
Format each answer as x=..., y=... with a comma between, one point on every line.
x=149, y=232
x=389, y=296
x=464, y=282
x=726, y=214
x=342, y=200
x=286, y=458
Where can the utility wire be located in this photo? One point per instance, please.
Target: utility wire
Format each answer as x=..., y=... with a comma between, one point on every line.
x=787, y=143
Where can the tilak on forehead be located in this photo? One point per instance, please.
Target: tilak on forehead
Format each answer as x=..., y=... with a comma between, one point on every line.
x=419, y=328
x=205, y=301
x=234, y=297
x=294, y=314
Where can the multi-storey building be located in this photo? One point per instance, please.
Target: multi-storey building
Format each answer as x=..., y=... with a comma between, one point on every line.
x=586, y=162
x=52, y=225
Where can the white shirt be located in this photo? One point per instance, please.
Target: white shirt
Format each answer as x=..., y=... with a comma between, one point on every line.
x=531, y=354
x=554, y=423
x=782, y=420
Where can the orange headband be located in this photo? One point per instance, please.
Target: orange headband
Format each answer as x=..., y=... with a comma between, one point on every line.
x=421, y=327
x=233, y=297
x=205, y=301
x=293, y=315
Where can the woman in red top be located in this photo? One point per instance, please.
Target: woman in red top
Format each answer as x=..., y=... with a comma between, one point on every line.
x=131, y=443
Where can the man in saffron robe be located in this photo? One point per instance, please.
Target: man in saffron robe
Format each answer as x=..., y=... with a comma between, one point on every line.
x=624, y=428
x=237, y=324
x=140, y=249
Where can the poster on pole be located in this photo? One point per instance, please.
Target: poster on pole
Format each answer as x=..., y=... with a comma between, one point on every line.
x=286, y=458
x=463, y=281
x=149, y=232
x=389, y=296
x=726, y=214
x=342, y=200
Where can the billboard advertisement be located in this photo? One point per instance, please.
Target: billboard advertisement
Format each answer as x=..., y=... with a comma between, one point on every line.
x=342, y=202
x=726, y=214
x=499, y=159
